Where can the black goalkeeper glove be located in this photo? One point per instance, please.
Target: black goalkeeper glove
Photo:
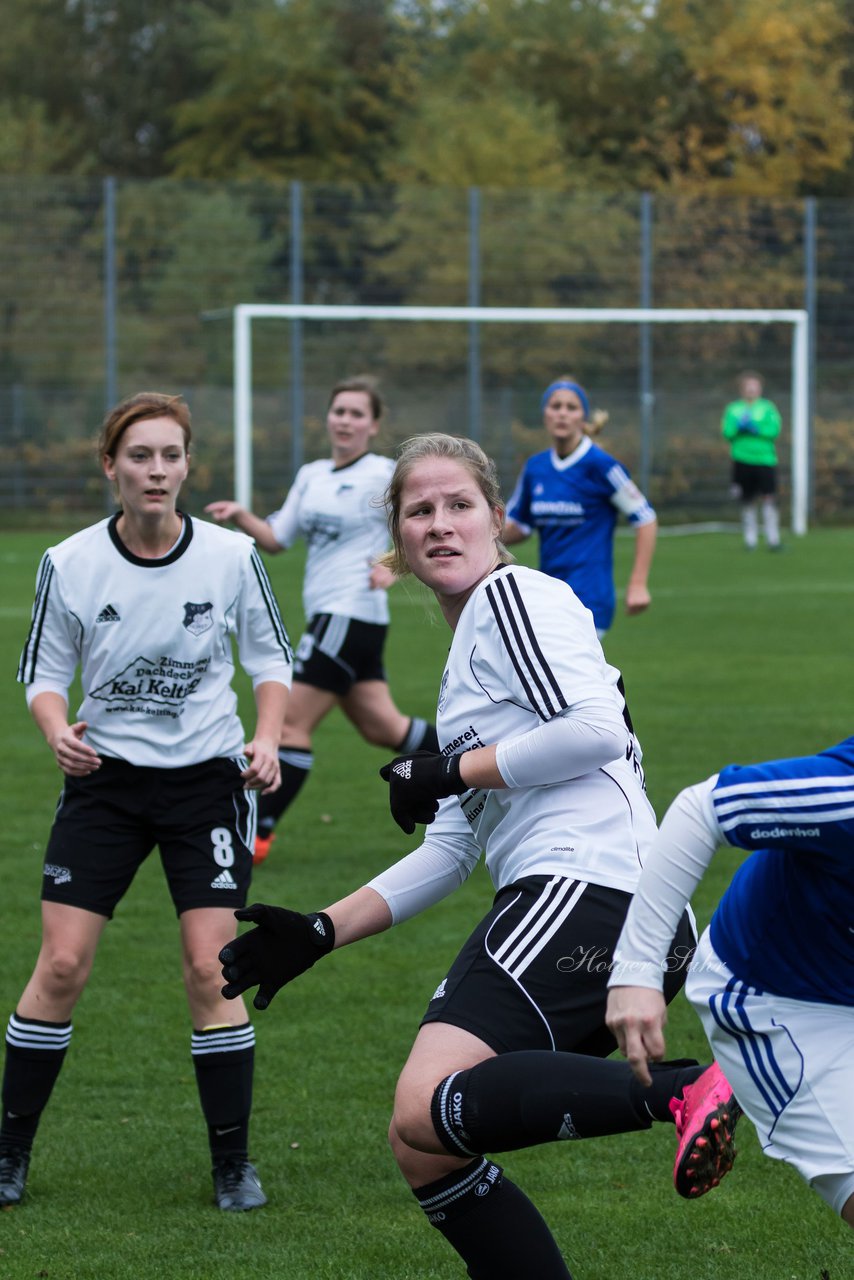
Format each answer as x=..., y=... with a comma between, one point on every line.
x=282, y=947
x=417, y=783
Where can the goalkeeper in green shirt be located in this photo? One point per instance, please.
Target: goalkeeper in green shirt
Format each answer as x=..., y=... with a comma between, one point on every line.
x=752, y=424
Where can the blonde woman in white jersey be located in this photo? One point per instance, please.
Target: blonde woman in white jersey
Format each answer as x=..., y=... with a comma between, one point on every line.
x=333, y=504
x=145, y=604
x=540, y=770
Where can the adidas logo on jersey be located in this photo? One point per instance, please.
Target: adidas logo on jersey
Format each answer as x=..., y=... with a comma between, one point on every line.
x=108, y=614
x=404, y=769
x=223, y=881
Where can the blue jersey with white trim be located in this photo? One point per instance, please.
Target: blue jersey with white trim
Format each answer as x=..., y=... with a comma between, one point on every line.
x=786, y=922
x=573, y=504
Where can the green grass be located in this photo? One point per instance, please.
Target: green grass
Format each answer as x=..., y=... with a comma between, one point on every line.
x=741, y=657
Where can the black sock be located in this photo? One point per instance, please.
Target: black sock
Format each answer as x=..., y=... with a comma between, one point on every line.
x=224, y=1058
x=35, y=1052
x=533, y=1096
x=493, y=1225
x=296, y=766
x=420, y=736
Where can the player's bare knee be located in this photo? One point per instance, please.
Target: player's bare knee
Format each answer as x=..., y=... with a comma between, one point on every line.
x=64, y=970
x=202, y=971
x=411, y=1124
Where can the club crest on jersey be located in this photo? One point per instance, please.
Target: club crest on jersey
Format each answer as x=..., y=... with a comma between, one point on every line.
x=198, y=618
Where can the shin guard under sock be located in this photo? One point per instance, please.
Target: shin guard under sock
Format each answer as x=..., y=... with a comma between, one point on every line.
x=35, y=1052
x=534, y=1096
x=493, y=1225
x=295, y=766
x=224, y=1058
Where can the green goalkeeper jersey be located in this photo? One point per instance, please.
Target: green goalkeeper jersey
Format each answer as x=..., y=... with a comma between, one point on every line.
x=751, y=428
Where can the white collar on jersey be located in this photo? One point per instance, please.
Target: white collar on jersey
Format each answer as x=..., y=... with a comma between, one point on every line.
x=561, y=464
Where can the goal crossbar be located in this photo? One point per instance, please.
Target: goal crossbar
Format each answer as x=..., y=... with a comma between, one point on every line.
x=245, y=313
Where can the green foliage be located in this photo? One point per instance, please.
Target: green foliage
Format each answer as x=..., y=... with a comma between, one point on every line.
x=744, y=108
x=514, y=93
x=311, y=89
x=740, y=658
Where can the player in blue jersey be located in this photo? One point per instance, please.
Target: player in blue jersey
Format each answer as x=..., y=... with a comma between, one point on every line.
x=773, y=978
x=572, y=495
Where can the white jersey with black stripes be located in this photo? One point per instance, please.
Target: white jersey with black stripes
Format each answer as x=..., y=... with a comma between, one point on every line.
x=524, y=651
x=153, y=640
x=340, y=513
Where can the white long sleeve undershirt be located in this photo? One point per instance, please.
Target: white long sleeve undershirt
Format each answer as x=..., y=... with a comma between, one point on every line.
x=687, y=839
x=590, y=734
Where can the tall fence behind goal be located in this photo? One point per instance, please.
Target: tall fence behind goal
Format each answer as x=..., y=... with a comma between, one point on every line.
x=474, y=319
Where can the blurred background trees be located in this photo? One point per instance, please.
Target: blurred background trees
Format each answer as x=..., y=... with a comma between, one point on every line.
x=751, y=97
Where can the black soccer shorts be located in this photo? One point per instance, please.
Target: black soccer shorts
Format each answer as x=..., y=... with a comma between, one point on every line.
x=107, y=824
x=335, y=652
x=753, y=481
x=534, y=973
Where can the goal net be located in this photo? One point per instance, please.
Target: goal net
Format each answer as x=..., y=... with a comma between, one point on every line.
x=477, y=322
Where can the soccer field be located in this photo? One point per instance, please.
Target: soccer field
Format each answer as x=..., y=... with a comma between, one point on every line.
x=741, y=657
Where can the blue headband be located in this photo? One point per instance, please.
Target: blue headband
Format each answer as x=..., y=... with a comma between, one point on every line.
x=561, y=385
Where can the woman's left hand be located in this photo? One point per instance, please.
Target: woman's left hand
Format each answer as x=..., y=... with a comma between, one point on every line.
x=264, y=773
x=637, y=599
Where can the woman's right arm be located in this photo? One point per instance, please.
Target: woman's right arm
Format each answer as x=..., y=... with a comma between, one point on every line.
x=285, y=943
x=226, y=512
x=74, y=756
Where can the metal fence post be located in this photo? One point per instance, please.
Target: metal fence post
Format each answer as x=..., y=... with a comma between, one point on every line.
x=647, y=396
x=474, y=385
x=297, y=276
x=810, y=300
x=110, y=324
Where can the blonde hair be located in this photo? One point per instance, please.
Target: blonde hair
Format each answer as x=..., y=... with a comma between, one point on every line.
x=437, y=445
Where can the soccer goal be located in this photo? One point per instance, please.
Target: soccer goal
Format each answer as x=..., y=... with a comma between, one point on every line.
x=246, y=313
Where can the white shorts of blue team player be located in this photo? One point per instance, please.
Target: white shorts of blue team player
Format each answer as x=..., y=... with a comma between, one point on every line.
x=791, y=1067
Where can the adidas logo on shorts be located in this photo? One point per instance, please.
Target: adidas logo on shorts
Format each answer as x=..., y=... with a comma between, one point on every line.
x=404, y=769
x=223, y=881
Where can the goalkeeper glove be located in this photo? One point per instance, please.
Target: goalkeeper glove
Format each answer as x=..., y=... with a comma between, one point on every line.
x=747, y=426
x=283, y=946
x=417, y=783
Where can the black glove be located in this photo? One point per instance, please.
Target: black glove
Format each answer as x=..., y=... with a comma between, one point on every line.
x=417, y=783
x=282, y=947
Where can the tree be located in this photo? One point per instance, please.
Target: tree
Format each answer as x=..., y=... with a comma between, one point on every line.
x=743, y=101
x=311, y=89
x=106, y=76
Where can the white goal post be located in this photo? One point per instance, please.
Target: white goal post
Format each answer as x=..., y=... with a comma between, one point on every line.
x=245, y=313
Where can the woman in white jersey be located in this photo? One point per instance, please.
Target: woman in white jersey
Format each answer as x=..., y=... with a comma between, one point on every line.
x=539, y=769
x=145, y=604
x=333, y=505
